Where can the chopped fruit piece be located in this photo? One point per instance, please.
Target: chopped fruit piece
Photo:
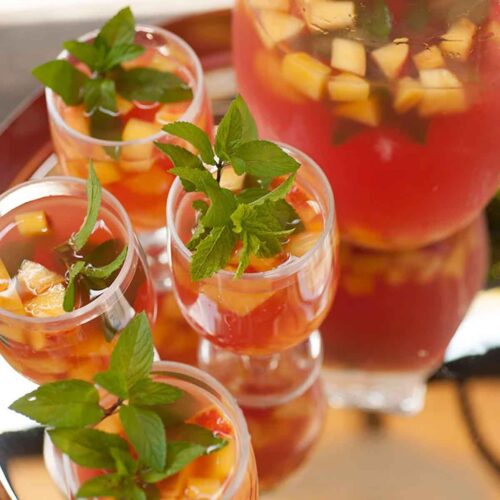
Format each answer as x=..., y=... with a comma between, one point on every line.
x=306, y=74
x=283, y=5
x=201, y=487
x=391, y=58
x=139, y=129
x=409, y=93
x=10, y=300
x=348, y=55
x=365, y=112
x=111, y=424
x=163, y=63
x=171, y=112
x=457, y=41
x=231, y=180
x=123, y=105
x=493, y=31
x=326, y=15
x=210, y=418
x=76, y=119
x=12, y=333
x=261, y=264
x=429, y=58
x=443, y=93
x=107, y=172
x=277, y=27
x=217, y=465
x=4, y=277
x=136, y=165
x=32, y=223
x=36, y=278
x=346, y=87
x=48, y=304
x=155, y=182
x=301, y=243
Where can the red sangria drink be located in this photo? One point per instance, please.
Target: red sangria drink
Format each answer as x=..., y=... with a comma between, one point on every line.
x=64, y=294
x=395, y=314
x=284, y=435
x=396, y=100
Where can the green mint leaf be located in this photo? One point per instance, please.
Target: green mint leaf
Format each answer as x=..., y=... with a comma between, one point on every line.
x=249, y=127
x=262, y=159
x=94, y=193
x=120, y=29
x=250, y=246
x=213, y=253
x=195, y=136
x=70, y=292
x=121, y=53
x=199, y=234
x=123, y=460
x=84, y=52
x=200, y=206
x=150, y=85
x=107, y=270
x=113, y=485
x=287, y=215
x=100, y=104
x=278, y=193
x=64, y=79
x=131, y=359
x=148, y=393
x=376, y=21
x=196, y=434
x=229, y=133
x=145, y=430
x=179, y=455
x=88, y=447
x=68, y=403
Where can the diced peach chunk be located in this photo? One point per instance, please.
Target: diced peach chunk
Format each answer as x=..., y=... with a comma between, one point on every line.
x=171, y=112
x=328, y=15
x=4, y=277
x=107, y=172
x=409, y=93
x=493, y=31
x=457, y=41
x=347, y=87
x=218, y=465
x=231, y=180
x=443, y=93
x=76, y=119
x=391, y=58
x=276, y=27
x=348, y=55
x=306, y=74
x=301, y=243
x=283, y=5
x=202, y=487
x=138, y=129
x=366, y=112
x=111, y=424
x=163, y=63
x=135, y=165
x=12, y=333
x=155, y=182
x=36, y=278
x=10, y=300
x=32, y=223
x=48, y=304
x=429, y=58
x=123, y=105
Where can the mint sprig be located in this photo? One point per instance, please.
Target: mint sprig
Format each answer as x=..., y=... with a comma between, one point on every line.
x=104, y=56
x=154, y=448
x=260, y=218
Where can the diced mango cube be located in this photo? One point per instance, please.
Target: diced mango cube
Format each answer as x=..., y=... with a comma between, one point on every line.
x=231, y=180
x=10, y=300
x=171, y=112
x=111, y=425
x=202, y=487
x=493, y=31
x=48, y=304
x=76, y=119
x=301, y=243
x=163, y=63
x=457, y=41
x=347, y=87
x=283, y=5
x=107, y=172
x=277, y=27
x=409, y=93
x=139, y=129
x=429, y=58
x=306, y=74
x=219, y=464
x=348, y=55
x=36, y=278
x=155, y=182
x=123, y=105
x=366, y=112
x=135, y=165
x=4, y=277
x=32, y=223
x=391, y=58
x=443, y=93
x=328, y=15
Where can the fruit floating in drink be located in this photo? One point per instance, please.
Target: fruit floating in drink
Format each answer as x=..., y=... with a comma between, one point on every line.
x=396, y=100
x=395, y=314
x=108, y=97
x=63, y=301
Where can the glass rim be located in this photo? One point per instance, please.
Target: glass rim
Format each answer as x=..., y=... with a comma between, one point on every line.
x=189, y=115
x=92, y=309
x=289, y=267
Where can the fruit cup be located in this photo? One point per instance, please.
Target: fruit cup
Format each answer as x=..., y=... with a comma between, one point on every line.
x=38, y=337
x=397, y=100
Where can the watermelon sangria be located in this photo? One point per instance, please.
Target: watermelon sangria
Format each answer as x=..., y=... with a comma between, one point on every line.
x=394, y=316
x=125, y=160
x=42, y=335
x=228, y=473
x=396, y=99
x=259, y=330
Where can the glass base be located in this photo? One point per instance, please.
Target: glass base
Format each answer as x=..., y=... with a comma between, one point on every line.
x=263, y=381
x=154, y=244
x=389, y=392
